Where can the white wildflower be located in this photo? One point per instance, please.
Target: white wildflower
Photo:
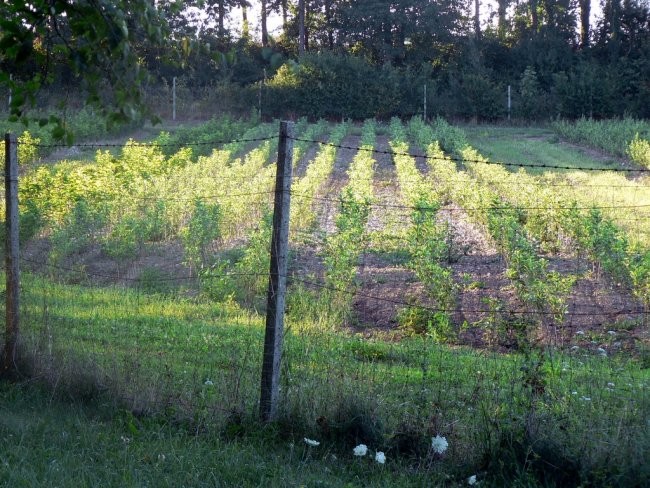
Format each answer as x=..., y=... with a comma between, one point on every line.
x=580, y=332
x=161, y=457
x=208, y=383
x=585, y=399
x=574, y=348
x=611, y=385
x=360, y=450
x=380, y=457
x=471, y=480
x=601, y=351
x=611, y=332
x=574, y=392
x=439, y=444
x=311, y=442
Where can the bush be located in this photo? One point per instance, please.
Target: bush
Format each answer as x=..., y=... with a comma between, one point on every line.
x=639, y=151
x=335, y=86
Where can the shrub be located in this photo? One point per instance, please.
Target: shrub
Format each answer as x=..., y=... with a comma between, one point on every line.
x=334, y=86
x=639, y=151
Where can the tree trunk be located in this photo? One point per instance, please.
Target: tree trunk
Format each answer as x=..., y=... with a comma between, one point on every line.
x=265, y=32
x=328, y=21
x=221, y=16
x=615, y=27
x=501, y=10
x=585, y=12
x=301, y=27
x=477, y=19
x=285, y=16
x=245, y=33
x=534, y=18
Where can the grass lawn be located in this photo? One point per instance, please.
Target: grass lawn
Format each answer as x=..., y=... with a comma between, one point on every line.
x=130, y=389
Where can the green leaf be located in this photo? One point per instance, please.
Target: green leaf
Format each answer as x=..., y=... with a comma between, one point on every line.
x=58, y=132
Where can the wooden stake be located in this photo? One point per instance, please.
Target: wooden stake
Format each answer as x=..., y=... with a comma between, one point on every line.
x=11, y=256
x=270, y=384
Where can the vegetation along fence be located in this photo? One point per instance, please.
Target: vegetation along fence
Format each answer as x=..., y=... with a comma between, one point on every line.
x=412, y=287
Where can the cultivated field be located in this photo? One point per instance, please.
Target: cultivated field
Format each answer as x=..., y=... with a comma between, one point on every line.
x=489, y=285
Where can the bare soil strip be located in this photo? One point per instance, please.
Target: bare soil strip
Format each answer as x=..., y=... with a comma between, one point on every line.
x=307, y=261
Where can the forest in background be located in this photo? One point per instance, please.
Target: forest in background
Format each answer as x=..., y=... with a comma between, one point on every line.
x=333, y=58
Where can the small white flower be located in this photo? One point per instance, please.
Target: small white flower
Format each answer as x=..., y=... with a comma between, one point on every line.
x=439, y=444
x=208, y=383
x=580, y=332
x=611, y=385
x=311, y=442
x=360, y=450
x=380, y=457
x=471, y=480
x=574, y=348
x=585, y=399
x=161, y=457
x=574, y=392
x=601, y=351
x=611, y=332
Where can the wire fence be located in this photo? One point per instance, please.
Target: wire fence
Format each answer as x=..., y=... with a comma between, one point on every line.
x=153, y=287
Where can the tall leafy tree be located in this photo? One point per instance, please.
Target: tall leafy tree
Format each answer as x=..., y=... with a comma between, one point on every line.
x=98, y=40
x=585, y=26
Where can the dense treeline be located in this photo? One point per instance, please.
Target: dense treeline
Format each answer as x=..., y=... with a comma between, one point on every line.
x=349, y=58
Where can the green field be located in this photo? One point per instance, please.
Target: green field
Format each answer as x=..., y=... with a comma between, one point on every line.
x=144, y=278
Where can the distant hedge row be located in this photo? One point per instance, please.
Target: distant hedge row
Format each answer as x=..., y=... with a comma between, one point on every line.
x=343, y=86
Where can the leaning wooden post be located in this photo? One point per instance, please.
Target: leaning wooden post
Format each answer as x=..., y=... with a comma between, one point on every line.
x=278, y=278
x=11, y=255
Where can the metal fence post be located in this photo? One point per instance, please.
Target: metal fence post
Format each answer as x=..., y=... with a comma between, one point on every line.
x=11, y=256
x=270, y=384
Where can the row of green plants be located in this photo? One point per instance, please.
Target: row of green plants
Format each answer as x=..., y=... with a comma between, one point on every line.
x=45, y=130
x=428, y=243
x=201, y=137
x=307, y=187
x=541, y=290
x=27, y=151
x=308, y=133
x=141, y=197
x=241, y=274
x=344, y=246
x=625, y=137
x=556, y=220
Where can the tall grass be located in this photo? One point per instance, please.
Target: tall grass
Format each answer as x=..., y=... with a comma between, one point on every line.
x=626, y=137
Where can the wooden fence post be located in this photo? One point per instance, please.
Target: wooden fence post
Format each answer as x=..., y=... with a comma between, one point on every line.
x=270, y=384
x=11, y=256
x=174, y=98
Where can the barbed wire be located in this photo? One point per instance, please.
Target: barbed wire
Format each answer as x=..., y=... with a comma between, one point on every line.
x=425, y=208
x=292, y=277
x=480, y=161
x=148, y=144
x=356, y=293
x=118, y=278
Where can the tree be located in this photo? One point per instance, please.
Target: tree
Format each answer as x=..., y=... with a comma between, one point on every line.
x=98, y=40
x=585, y=12
x=502, y=7
x=265, y=31
x=302, y=38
